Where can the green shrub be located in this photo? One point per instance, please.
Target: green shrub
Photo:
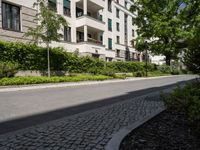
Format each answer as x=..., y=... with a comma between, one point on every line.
x=150, y=67
x=125, y=67
x=37, y=80
x=139, y=74
x=184, y=71
x=164, y=69
x=108, y=72
x=175, y=72
x=186, y=100
x=33, y=57
x=8, y=69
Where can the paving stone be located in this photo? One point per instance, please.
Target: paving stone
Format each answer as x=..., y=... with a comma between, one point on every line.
x=84, y=131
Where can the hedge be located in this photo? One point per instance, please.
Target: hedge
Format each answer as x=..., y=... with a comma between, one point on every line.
x=33, y=57
x=39, y=80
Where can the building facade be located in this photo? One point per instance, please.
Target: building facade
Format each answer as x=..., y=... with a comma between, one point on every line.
x=98, y=28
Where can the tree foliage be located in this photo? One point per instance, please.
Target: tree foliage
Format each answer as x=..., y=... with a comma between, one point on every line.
x=159, y=27
x=49, y=23
x=190, y=17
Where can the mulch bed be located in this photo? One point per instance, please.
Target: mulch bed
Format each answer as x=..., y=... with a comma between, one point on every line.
x=167, y=131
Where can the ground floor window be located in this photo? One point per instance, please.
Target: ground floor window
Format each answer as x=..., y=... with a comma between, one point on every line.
x=10, y=17
x=108, y=59
x=117, y=53
x=67, y=34
x=95, y=55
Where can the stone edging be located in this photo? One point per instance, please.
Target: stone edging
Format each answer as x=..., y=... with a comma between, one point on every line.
x=114, y=143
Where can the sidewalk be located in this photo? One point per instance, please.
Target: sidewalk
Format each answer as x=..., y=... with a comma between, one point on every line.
x=71, y=84
x=88, y=130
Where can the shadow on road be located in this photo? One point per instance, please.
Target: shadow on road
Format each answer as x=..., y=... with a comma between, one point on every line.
x=28, y=121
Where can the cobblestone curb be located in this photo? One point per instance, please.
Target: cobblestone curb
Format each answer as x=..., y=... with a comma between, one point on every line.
x=114, y=143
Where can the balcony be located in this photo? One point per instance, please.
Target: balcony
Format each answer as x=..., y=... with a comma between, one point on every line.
x=89, y=21
x=95, y=50
x=96, y=4
x=98, y=42
x=87, y=13
x=90, y=35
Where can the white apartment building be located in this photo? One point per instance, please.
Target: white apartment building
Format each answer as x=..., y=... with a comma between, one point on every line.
x=98, y=28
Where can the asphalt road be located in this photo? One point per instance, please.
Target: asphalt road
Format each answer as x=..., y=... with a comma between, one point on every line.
x=21, y=109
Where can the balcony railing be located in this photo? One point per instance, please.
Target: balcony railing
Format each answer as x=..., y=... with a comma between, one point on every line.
x=91, y=40
x=95, y=41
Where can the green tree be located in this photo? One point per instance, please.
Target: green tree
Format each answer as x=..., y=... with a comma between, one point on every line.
x=190, y=15
x=158, y=26
x=49, y=23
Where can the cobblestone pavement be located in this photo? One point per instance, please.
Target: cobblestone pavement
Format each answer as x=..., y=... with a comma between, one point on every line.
x=90, y=130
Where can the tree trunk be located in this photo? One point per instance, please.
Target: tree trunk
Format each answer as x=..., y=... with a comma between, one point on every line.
x=48, y=59
x=168, y=60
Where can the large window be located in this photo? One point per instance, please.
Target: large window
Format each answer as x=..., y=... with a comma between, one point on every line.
x=117, y=53
x=109, y=24
x=110, y=5
x=133, y=33
x=109, y=43
x=117, y=25
x=67, y=34
x=66, y=7
x=118, y=39
x=100, y=17
x=52, y=5
x=126, y=4
x=10, y=17
x=117, y=13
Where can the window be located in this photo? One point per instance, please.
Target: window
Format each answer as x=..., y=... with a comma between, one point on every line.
x=117, y=13
x=109, y=43
x=100, y=17
x=108, y=59
x=118, y=53
x=101, y=38
x=67, y=34
x=66, y=7
x=118, y=40
x=110, y=5
x=125, y=29
x=10, y=17
x=52, y=4
x=79, y=12
x=109, y=24
x=117, y=25
x=80, y=36
x=133, y=43
x=134, y=56
x=126, y=4
x=133, y=33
